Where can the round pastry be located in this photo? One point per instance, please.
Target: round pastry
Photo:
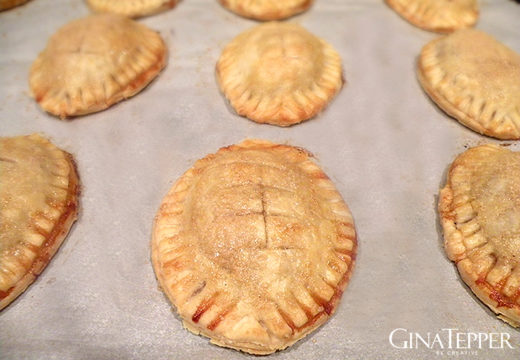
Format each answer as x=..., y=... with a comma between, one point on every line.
x=267, y=9
x=254, y=246
x=8, y=4
x=441, y=16
x=39, y=191
x=279, y=73
x=131, y=8
x=480, y=214
x=94, y=62
x=476, y=80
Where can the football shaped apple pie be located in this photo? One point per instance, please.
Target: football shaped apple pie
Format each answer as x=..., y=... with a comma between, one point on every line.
x=95, y=62
x=267, y=9
x=254, y=246
x=131, y=8
x=39, y=190
x=480, y=215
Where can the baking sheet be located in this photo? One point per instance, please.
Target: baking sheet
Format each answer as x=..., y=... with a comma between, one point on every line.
x=385, y=145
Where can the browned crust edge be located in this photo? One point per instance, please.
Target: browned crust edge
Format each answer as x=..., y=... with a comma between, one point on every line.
x=56, y=238
x=481, y=288
x=9, y=4
x=268, y=15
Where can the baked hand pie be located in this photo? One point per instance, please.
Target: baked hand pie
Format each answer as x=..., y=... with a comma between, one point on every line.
x=267, y=9
x=8, y=4
x=92, y=63
x=132, y=8
x=476, y=80
x=254, y=246
x=279, y=73
x=441, y=16
x=39, y=191
x=480, y=214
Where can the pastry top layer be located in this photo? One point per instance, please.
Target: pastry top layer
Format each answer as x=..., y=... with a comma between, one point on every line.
x=34, y=180
x=254, y=246
x=267, y=9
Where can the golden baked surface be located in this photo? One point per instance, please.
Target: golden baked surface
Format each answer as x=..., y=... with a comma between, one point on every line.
x=254, y=246
x=267, y=9
x=38, y=203
x=437, y=15
x=279, y=73
x=91, y=63
x=8, y=4
x=132, y=8
x=480, y=214
x=476, y=80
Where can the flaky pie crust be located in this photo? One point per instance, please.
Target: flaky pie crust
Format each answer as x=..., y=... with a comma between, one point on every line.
x=39, y=190
x=267, y=9
x=254, y=246
x=480, y=215
x=132, y=8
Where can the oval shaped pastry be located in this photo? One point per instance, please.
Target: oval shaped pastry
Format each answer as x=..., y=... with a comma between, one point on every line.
x=267, y=9
x=279, y=73
x=437, y=15
x=480, y=214
x=92, y=63
x=131, y=8
x=474, y=79
x=8, y=4
x=39, y=191
x=254, y=246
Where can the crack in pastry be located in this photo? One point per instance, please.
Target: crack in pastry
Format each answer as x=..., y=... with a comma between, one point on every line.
x=254, y=246
x=94, y=62
x=39, y=190
x=480, y=214
x=476, y=80
x=132, y=8
x=8, y=4
x=267, y=9
x=279, y=73
x=441, y=16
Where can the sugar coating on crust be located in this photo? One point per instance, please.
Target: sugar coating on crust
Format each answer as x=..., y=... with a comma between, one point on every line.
x=480, y=214
x=92, y=63
x=475, y=79
x=279, y=73
x=38, y=204
x=267, y=9
x=132, y=8
x=441, y=16
x=254, y=246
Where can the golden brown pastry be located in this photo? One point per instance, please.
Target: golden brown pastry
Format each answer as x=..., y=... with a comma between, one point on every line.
x=95, y=62
x=474, y=79
x=267, y=9
x=480, y=214
x=254, y=246
x=39, y=191
x=131, y=8
x=441, y=16
x=8, y=4
x=279, y=73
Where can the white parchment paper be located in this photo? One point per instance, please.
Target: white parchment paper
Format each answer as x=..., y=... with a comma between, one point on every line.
x=382, y=141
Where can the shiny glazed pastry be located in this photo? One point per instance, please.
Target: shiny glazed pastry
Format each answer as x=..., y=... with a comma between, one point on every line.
x=476, y=80
x=131, y=8
x=480, y=214
x=254, y=246
x=39, y=190
x=267, y=9
x=279, y=73
x=441, y=16
x=94, y=62
x=8, y=4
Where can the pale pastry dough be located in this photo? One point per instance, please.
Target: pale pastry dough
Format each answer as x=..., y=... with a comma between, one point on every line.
x=437, y=15
x=39, y=190
x=8, y=4
x=267, y=9
x=132, y=8
x=94, y=62
x=480, y=214
x=475, y=79
x=254, y=246
x=279, y=73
